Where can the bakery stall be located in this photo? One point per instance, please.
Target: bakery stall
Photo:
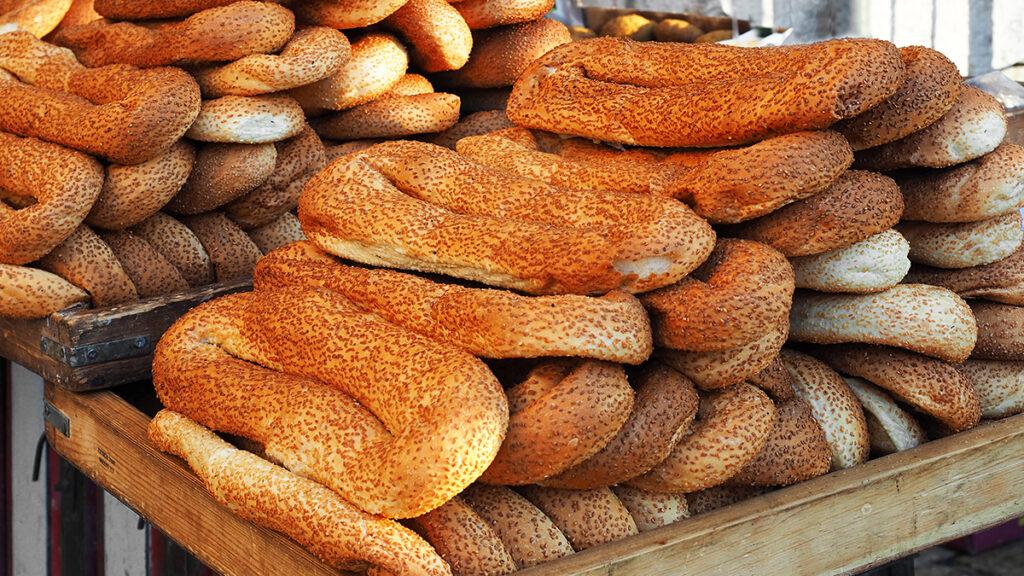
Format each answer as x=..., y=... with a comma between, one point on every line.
x=483, y=287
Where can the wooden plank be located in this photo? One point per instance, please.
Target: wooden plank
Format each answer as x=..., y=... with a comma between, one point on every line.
x=108, y=443
x=837, y=524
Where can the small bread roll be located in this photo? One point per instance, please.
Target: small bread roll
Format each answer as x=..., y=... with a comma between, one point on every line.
x=632, y=26
x=872, y=265
x=676, y=30
x=963, y=245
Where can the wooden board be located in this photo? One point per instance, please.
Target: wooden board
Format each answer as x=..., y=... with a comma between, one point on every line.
x=838, y=524
x=84, y=349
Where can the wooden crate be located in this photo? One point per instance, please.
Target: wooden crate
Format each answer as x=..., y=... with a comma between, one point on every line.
x=85, y=349
x=841, y=523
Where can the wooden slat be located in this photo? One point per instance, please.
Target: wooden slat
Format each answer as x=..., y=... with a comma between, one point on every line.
x=108, y=443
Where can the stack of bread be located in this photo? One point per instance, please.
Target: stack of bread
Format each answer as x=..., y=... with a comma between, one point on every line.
x=636, y=299
x=645, y=26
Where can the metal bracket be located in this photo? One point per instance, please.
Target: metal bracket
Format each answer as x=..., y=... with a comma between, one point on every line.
x=88, y=354
x=54, y=417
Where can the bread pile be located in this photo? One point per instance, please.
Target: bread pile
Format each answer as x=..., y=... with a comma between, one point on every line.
x=646, y=26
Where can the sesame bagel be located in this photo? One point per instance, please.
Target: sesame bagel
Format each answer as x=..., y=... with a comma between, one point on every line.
x=776, y=380
x=377, y=63
x=890, y=427
x=285, y=230
x=560, y=415
x=973, y=127
x=467, y=542
x=221, y=173
x=131, y=194
x=32, y=293
x=588, y=518
x=179, y=246
x=219, y=34
x=490, y=13
x=999, y=384
x=1000, y=331
x=231, y=252
x=719, y=497
x=46, y=192
x=834, y=407
x=721, y=368
x=607, y=88
x=86, y=261
x=392, y=117
x=248, y=120
x=524, y=236
x=742, y=289
x=929, y=91
x=859, y=205
x=919, y=317
x=345, y=14
x=963, y=245
x=796, y=450
x=871, y=265
x=732, y=427
x=652, y=510
x=146, y=10
x=312, y=54
x=356, y=424
x=990, y=186
x=527, y=533
x=120, y=113
x=501, y=55
x=663, y=409
x=1001, y=281
x=150, y=272
x=38, y=17
x=487, y=323
x=931, y=386
x=410, y=85
x=473, y=125
x=438, y=36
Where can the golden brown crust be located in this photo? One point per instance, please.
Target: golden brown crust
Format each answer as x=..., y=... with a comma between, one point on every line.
x=248, y=119
x=345, y=14
x=133, y=193
x=377, y=63
x=465, y=540
x=651, y=510
x=676, y=30
x=704, y=95
x=80, y=12
x=86, y=261
x=175, y=242
x=31, y=293
x=136, y=10
x=719, y=497
x=721, y=368
x=221, y=173
x=219, y=34
x=473, y=124
x=1000, y=331
x=150, y=272
x=859, y=205
x=999, y=384
x=1001, y=281
x=501, y=55
x=490, y=13
x=588, y=518
x=741, y=291
x=39, y=17
x=452, y=216
x=232, y=252
x=392, y=117
x=439, y=38
x=488, y=323
x=776, y=380
x=795, y=451
x=632, y=26
x=285, y=230
x=528, y=535
x=352, y=401
x=929, y=91
x=963, y=245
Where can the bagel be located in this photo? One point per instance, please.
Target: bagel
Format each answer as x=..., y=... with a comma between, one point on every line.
x=719, y=497
x=501, y=55
x=919, y=317
x=529, y=536
x=490, y=13
x=931, y=386
x=663, y=409
x=149, y=10
x=465, y=540
x=733, y=186
x=652, y=510
x=179, y=246
x=872, y=265
x=480, y=224
x=377, y=63
x=150, y=272
x=439, y=38
x=721, y=368
x=1001, y=281
x=990, y=186
x=38, y=17
x=29, y=293
x=973, y=127
x=890, y=427
x=125, y=115
x=776, y=380
x=130, y=194
x=560, y=416
x=732, y=427
x=929, y=91
x=248, y=120
x=221, y=173
x=859, y=205
x=311, y=55
x=86, y=261
x=335, y=531
x=392, y=117
x=345, y=14
x=740, y=291
x=706, y=95
x=297, y=160
x=50, y=190
x=588, y=518
x=1000, y=331
x=676, y=30
x=964, y=245
x=219, y=34
x=329, y=407
x=796, y=450
x=473, y=124
x=232, y=253
x=834, y=407
x=999, y=384
x=280, y=232
x=487, y=323
x=484, y=99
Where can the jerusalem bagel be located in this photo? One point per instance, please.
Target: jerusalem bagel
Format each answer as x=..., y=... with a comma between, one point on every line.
x=377, y=63
x=467, y=542
x=86, y=261
x=150, y=272
x=345, y=14
x=871, y=265
x=490, y=13
x=1000, y=281
x=963, y=245
x=999, y=384
x=588, y=518
x=248, y=120
x=222, y=173
x=652, y=510
x=717, y=369
x=32, y=293
x=473, y=124
x=891, y=428
x=285, y=230
x=175, y=242
x=1000, y=331
x=231, y=252
x=776, y=380
x=796, y=451
x=439, y=38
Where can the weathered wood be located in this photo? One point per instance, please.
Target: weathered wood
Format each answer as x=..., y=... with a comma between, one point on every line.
x=107, y=442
